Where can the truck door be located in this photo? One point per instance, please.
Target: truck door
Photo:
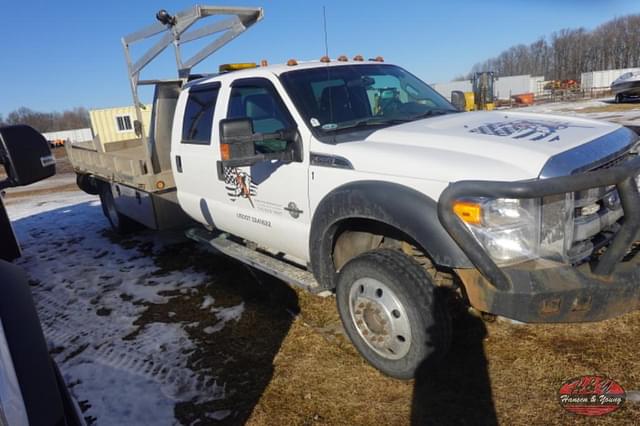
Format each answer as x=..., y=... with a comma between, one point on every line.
x=193, y=154
x=267, y=202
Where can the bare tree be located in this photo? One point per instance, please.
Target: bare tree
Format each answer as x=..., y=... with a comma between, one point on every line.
x=49, y=121
x=567, y=53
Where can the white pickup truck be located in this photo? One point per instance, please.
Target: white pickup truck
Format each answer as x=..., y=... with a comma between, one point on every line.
x=355, y=177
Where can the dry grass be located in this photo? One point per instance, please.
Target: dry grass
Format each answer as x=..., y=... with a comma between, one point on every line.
x=606, y=108
x=512, y=375
x=298, y=369
x=12, y=196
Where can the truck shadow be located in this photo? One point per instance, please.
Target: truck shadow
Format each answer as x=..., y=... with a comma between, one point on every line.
x=456, y=391
x=241, y=355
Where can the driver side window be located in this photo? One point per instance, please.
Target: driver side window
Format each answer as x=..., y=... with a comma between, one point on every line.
x=265, y=109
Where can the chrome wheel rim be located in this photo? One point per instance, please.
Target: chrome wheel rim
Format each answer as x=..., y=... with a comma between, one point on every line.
x=380, y=318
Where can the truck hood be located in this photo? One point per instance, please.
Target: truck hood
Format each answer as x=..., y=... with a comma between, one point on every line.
x=493, y=145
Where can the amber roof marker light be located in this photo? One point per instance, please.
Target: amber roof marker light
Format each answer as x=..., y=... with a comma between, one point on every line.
x=236, y=66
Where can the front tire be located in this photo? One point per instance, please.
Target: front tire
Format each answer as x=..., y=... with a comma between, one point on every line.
x=392, y=312
x=619, y=98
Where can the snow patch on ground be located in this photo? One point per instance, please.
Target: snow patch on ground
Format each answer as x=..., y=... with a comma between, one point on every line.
x=576, y=109
x=233, y=313
x=207, y=302
x=89, y=292
x=224, y=315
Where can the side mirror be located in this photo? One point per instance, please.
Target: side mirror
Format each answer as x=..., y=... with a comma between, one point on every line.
x=238, y=144
x=236, y=138
x=458, y=100
x=25, y=155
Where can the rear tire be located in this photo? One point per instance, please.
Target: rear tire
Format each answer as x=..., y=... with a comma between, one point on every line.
x=393, y=313
x=119, y=222
x=88, y=184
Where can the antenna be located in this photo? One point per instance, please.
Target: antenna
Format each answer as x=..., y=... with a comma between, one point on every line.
x=326, y=54
x=326, y=40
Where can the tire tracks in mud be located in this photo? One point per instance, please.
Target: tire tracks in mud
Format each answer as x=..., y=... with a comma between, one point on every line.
x=104, y=340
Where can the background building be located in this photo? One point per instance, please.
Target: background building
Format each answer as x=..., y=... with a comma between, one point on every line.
x=117, y=124
x=504, y=87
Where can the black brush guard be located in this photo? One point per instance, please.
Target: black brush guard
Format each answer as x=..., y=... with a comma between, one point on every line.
x=532, y=292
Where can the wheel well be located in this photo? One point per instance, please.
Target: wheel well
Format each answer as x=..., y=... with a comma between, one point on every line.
x=356, y=236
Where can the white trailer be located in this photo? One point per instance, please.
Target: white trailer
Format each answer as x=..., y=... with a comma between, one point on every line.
x=70, y=136
x=601, y=80
x=503, y=88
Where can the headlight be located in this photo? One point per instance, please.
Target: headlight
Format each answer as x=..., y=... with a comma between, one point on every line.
x=12, y=410
x=557, y=226
x=515, y=230
x=508, y=229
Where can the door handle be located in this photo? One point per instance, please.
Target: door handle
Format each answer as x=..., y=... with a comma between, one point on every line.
x=178, y=164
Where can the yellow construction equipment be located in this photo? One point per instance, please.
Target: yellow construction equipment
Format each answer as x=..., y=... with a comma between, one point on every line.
x=483, y=90
x=464, y=101
x=482, y=97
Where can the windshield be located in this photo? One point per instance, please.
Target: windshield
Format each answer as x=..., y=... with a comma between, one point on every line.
x=353, y=96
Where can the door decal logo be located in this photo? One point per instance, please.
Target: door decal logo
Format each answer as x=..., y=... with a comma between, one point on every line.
x=533, y=130
x=293, y=210
x=239, y=184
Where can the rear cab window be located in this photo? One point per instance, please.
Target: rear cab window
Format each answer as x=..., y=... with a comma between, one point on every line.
x=198, y=114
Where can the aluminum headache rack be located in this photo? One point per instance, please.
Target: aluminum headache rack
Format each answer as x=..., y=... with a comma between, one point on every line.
x=175, y=31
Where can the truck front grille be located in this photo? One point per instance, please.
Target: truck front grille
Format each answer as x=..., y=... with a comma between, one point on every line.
x=597, y=217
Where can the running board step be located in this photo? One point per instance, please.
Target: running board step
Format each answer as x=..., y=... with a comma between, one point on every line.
x=269, y=264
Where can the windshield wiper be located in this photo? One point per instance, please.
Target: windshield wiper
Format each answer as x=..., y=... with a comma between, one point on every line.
x=432, y=113
x=381, y=121
x=373, y=121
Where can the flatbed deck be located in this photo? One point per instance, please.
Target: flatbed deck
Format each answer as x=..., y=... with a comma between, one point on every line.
x=124, y=162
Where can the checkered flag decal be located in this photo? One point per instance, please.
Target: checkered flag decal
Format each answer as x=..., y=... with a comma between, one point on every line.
x=239, y=184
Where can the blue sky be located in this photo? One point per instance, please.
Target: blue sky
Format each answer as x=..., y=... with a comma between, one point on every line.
x=61, y=54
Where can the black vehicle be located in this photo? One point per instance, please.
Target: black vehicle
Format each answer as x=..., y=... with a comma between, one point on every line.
x=32, y=391
x=26, y=158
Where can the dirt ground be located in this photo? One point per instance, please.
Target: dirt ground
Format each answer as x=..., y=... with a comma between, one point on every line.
x=286, y=360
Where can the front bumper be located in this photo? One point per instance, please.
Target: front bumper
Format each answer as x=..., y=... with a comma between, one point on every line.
x=542, y=290
x=556, y=293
